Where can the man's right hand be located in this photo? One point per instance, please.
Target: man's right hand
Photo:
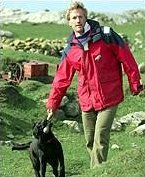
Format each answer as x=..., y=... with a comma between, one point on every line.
x=50, y=114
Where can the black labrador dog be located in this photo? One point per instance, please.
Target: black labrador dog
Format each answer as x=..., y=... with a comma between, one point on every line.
x=45, y=148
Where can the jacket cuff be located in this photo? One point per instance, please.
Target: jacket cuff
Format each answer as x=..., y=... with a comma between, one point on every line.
x=52, y=105
x=136, y=89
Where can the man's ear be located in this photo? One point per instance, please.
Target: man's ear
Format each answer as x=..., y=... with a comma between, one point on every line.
x=69, y=23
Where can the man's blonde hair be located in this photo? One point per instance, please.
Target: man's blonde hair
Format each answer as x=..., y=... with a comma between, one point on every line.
x=76, y=5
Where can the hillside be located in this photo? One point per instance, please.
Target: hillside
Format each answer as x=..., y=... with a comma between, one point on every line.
x=18, y=16
x=22, y=105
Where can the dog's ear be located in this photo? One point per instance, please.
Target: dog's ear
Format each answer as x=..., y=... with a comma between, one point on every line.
x=35, y=133
x=36, y=129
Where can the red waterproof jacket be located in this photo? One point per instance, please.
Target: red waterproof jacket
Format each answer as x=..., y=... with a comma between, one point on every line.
x=99, y=70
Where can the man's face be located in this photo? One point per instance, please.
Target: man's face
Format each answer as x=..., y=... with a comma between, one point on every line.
x=77, y=21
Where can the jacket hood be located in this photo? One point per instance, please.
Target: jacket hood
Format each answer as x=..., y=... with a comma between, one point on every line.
x=93, y=24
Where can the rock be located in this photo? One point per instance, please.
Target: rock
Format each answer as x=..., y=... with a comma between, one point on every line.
x=141, y=68
x=72, y=125
x=134, y=145
x=134, y=118
x=10, y=136
x=2, y=143
x=140, y=130
x=115, y=146
x=8, y=143
x=6, y=34
x=60, y=115
x=117, y=126
x=72, y=109
x=64, y=101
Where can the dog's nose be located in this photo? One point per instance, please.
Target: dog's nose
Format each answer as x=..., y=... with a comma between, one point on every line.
x=45, y=129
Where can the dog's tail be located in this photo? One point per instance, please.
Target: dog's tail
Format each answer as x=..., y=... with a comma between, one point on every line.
x=18, y=146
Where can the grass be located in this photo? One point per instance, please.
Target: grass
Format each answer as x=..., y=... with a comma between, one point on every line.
x=17, y=55
x=44, y=30
x=50, y=31
x=126, y=162
x=26, y=30
x=17, y=118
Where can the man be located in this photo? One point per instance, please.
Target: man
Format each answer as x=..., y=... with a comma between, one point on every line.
x=97, y=54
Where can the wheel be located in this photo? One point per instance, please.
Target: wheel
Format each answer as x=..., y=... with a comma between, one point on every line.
x=15, y=72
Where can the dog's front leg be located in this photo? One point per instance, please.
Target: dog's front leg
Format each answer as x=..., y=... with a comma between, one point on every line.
x=62, y=171
x=62, y=165
x=42, y=168
x=55, y=171
x=37, y=174
x=35, y=163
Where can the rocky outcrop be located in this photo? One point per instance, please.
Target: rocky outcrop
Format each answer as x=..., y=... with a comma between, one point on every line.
x=135, y=120
x=18, y=16
x=6, y=34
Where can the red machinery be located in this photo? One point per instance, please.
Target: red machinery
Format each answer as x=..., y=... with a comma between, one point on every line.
x=17, y=72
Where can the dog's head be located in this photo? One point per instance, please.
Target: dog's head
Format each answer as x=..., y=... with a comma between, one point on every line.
x=42, y=129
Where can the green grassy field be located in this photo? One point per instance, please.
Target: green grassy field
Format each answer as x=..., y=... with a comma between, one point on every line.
x=19, y=116
x=53, y=31
x=44, y=30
